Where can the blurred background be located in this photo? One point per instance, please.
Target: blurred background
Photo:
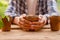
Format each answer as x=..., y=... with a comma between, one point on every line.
x=4, y=5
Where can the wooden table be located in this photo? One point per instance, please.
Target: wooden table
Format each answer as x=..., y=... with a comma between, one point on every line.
x=44, y=34
x=14, y=27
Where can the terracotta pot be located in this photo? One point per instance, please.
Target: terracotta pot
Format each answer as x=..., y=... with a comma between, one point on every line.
x=55, y=23
x=29, y=27
x=7, y=24
x=32, y=18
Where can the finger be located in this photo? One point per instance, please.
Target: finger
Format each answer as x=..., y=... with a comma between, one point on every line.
x=21, y=26
x=26, y=21
x=36, y=23
x=24, y=24
x=44, y=21
x=40, y=16
x=41, y=25
x=22, y=20
x=23, y=15
x=21, y=23
x=36, y=27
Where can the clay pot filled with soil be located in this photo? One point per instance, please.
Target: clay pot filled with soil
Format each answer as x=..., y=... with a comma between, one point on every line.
x=7, y=24
x=55, y=23
x=31, y=27
x=32, y=18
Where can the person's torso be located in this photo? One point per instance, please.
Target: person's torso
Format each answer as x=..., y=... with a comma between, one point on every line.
x=22, y=7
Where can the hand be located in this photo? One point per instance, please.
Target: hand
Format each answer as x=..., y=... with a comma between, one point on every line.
x=23, y=23
x=43, y=19
x=17, y=19
x=41, y=22
x=36, y=25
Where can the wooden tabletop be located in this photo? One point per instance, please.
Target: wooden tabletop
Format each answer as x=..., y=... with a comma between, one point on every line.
x=17, y=27
x=44, y=34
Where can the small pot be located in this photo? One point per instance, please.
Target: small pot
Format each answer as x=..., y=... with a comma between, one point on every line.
x=7, y=24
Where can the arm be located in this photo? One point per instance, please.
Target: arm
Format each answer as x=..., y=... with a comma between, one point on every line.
x=52, y=10
x=11, y=9
x=11, y=13
x=52, y=5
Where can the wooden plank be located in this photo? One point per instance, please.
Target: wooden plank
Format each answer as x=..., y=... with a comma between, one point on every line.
x=15, y=27
x=44, y=34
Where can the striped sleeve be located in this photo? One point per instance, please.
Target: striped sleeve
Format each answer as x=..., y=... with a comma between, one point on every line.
x=53, y=8
x=10, y=10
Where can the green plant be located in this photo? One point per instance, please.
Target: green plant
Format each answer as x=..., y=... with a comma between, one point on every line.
x=3, y=6
x=1, y=24
x=58, y=4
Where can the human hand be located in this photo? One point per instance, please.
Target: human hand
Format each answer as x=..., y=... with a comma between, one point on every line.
x=17, y=19
x=43, y=19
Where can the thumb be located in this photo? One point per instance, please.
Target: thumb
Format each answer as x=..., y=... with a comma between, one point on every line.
x=23, y=15
x=45, y=18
